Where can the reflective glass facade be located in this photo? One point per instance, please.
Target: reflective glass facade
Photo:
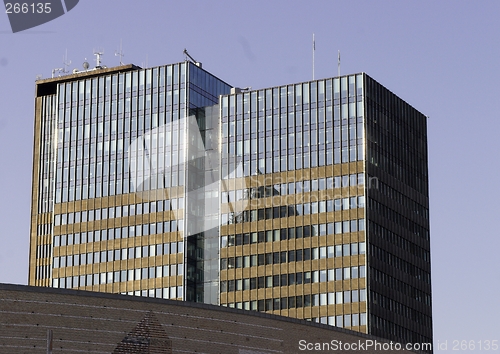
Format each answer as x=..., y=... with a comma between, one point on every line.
x=337, y=224
x=300, y=248
x=307, y=200
x=94, y=226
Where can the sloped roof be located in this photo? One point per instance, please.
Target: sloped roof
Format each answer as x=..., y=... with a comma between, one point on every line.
x=148, y=337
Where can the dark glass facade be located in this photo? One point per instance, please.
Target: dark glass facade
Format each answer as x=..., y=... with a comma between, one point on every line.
x=398, y=218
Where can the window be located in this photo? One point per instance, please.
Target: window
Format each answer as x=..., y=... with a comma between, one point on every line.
x=269, y=282
x=338, y=274
x=322, y=252
x=276, y=304
x=307, y=277
x=362, y=271
x=338, y=251
x=307, y=300
x=261, y=259
x=253, y=283
x=338, y=297
x=315, y=300
x=362, y=295
x=347, y=273
x=269, y=304
x=361, y=224
x=345, y=226
x=354, y=225
x=355, y=296
x=354, y=272
x=260, y=282
x=330, y=252
x=223, y=263
x=339, y=321
x=298, y=255
x=347, y=320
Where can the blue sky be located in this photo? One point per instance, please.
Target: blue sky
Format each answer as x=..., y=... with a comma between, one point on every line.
x=442, y=57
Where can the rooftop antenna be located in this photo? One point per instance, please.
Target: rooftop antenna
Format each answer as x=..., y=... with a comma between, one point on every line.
x=197, y=63
x=338, y=64
x=66, y=63
x=98, y=59
x=62, y=70
x=314, y=49
x=86, y=65
x=57, y=70
x=120, y=53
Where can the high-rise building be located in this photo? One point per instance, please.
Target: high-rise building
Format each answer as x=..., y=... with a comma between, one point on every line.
x=338, y=228
x=96, y=225
x=307, y=200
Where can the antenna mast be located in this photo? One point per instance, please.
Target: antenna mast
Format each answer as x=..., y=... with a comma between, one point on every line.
x=98, y=59
x=314, y=49
x=57, y=70
x=66, y=63
x=197, y=63
x=120, y=53
x=338, y=64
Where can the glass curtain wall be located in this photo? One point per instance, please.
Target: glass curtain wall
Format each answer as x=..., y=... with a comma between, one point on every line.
x=299, y=249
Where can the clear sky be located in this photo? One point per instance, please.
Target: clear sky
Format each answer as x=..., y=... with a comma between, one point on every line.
x=442, y=57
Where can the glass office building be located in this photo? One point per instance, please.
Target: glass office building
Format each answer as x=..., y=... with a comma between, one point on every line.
x=337, y=228
x=307, y=200
x=97, y=222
